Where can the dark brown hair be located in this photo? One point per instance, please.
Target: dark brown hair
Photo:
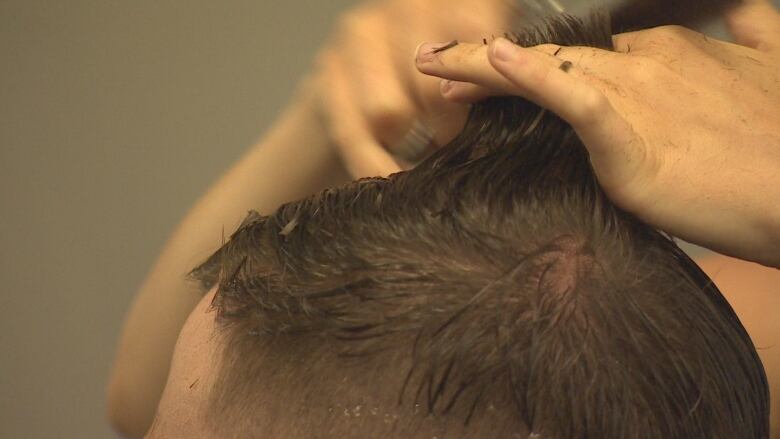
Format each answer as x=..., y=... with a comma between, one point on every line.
x=494, y=285
x=629, y=15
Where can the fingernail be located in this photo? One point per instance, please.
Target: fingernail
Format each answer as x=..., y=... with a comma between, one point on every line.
x=426, y=52
x=445, y=86
x=505, y=50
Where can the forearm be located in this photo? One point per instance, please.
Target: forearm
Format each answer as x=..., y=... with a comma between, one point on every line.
x=293, y=160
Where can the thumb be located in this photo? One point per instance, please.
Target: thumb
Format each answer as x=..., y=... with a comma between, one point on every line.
x=754, y=23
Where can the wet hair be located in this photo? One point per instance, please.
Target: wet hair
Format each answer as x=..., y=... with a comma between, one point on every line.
x=492, y=291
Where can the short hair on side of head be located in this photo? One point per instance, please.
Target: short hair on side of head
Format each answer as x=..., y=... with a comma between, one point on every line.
x=493, y=287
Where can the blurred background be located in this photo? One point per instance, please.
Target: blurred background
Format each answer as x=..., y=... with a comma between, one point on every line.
x=114, y=118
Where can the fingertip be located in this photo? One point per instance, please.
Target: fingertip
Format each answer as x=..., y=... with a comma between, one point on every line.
x=416, y=60
x=416, y=54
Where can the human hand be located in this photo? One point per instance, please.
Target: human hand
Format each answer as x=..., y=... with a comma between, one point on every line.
x=682, y=130
x=369, y=92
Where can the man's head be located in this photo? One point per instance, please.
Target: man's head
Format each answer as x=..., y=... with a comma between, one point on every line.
x=493, y=291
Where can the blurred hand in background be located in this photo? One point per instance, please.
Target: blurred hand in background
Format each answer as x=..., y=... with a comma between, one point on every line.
x=381, y=113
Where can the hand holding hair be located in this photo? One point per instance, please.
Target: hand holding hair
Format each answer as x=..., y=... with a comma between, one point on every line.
x=683, y=130
x=368, y=93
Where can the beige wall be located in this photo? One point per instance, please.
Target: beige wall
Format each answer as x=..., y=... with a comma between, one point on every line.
x=114, y=116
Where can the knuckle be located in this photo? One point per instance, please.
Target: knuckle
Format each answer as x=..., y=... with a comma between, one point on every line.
x=674, y=38
x=591, y=104
x=670, y=32
x=646, y=69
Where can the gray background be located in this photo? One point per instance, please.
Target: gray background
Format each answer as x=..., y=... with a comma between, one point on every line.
x=114, y=117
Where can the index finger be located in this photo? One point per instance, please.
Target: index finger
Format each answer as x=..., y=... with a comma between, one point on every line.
x=534, y=73
x=468, y=62
x=537, y=76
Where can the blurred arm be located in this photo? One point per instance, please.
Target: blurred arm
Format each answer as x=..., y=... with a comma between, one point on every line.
x=294, y=159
